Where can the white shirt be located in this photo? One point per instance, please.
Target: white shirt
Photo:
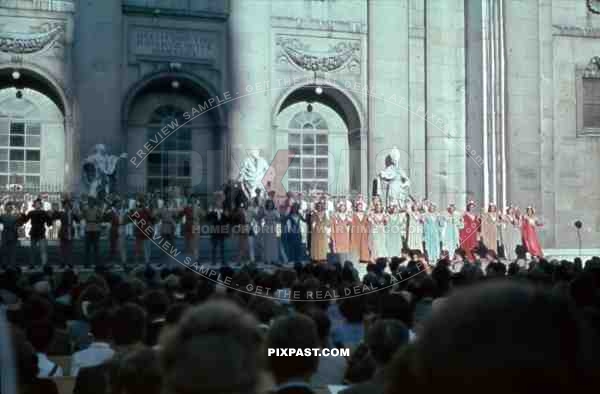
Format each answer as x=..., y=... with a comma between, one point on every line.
x=46, y=366
x=95, y=354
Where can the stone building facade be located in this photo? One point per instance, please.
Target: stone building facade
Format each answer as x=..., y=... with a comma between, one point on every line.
x=491, y=100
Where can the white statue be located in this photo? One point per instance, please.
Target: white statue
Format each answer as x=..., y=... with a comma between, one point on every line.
x=253, y=170
x=393, y=181
x=99, y=171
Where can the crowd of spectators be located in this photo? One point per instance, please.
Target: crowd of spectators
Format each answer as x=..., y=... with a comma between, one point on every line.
x=488, y=327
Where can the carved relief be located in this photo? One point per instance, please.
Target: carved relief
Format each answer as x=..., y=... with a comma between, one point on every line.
x=593, y=6
x=592, y=70
x=339, y=56
x=27, y=43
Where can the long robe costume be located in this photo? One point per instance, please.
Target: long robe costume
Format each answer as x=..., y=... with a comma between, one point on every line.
x=489, y=230
x=319, y=241
x=469, y=234
x=452, y=224
x=396, y=231
x=531, y=241
x=359, y=237
x=378, y=236
x=432, y=235
x=510, y=236
x=415, y=231
x=340, y=232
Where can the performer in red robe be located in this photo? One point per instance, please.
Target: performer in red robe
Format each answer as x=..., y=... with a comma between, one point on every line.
x=531, y=240
x=469, y=233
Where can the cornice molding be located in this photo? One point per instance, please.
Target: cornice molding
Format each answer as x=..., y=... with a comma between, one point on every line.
x=318, y=24
x=575, y=31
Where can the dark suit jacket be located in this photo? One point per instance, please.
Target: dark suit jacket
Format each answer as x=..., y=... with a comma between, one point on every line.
x=61, y=344
x=153, y=330
x=39, y=386
x=95, y=380
x=294, y=390
x=219, y=225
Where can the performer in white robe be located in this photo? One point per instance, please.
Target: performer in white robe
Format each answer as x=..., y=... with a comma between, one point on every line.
x=415, y=228
x=510, y=233
x=396, y=231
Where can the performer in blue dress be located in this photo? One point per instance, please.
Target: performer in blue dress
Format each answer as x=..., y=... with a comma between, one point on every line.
x=432, y=233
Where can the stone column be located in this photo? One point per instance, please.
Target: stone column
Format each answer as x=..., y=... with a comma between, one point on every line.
x=417, y=97
x=250, y=64
x=523, y=89
x=445, y=110
x=98, y=57
x=388, y=79
x=70, y=170
x=474, y=99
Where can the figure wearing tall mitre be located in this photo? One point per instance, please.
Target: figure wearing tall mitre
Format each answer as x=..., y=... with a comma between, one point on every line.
x=394, y=184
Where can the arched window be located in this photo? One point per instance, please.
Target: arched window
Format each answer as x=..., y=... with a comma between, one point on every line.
x=308, y=139
x=20, y=141
x=169, y=162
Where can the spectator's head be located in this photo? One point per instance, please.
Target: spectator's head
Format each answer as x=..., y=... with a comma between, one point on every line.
x=175, y=312
x=128, y=325
x=40, y=334
x=100, y=324
x=323, y=323
x=353, y=309
x=214, y=349
x=384, y=338
x=265, y=309
x=156, y=303
x=293, y=332
x=124, y=292
x=395, y=264
x=396, y=306
x=37, y=308
x=138, y=372
x=484, y=337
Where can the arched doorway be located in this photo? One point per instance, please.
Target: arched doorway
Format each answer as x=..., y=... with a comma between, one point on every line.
x=33, y=154
x=189, y=157
x=323, y=129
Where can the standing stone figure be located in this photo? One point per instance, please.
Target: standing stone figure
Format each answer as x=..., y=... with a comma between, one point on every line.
x=253, y=170
x=99, y=171
x=393, y=181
